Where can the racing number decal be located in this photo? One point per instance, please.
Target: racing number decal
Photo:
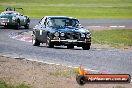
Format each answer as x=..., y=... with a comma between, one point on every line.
x=41, y=32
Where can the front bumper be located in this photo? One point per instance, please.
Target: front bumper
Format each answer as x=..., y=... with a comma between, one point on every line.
x=8, y=23
x=3, y=24
x=4, y=21
x=69, y=41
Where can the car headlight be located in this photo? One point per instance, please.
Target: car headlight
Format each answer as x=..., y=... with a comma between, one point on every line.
x=88, y=35
x=83, y=35
x=62, y=34
x=56, y=34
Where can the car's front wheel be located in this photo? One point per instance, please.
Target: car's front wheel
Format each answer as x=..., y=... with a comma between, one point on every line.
x=5, y=26
x=49, y=44
x=70, y=46
x=17, y=25
x=86, y=46
x=35, y=42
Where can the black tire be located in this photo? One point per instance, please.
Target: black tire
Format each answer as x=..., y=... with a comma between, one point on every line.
x=81, y=80
x=27, y=24
x=70, y=46
x=5, y=26
x=35, y=42
x=86, y=47
x=49, y=44
x=17, y=25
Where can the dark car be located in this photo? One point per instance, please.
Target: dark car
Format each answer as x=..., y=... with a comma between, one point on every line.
x=12, y=18
x=61, y=30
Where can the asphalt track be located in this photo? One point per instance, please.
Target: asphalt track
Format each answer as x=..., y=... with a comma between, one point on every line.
x=106, y=60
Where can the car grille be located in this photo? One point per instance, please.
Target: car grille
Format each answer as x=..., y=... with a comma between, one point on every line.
x=4, y=20
x=72, y=35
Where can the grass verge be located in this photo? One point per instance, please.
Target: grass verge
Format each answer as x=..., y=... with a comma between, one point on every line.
x=75, y=8
x=68, y=73
x=64, y=73
x=116, y=38
x=3, y=84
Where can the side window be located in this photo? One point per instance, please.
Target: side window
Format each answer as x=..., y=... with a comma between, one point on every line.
x=76, y=23
x=45, y=21
x=42, y=21
x=49, y=22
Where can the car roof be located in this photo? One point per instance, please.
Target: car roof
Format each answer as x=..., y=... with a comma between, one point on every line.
x=59, y=17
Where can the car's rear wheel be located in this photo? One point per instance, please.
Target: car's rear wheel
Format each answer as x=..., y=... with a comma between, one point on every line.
x=35, y=42
x=86, y=46
x=49, y=44
x=27, y=24
x=70, y=46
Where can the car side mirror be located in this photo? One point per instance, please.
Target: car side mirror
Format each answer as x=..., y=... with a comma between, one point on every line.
x=79, y=25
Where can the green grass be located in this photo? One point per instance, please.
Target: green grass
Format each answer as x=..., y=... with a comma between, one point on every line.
x=76, y=8
x=66, y=1
x=116, y=38
x=62, y=73
x=3, y=84
x=67, y=73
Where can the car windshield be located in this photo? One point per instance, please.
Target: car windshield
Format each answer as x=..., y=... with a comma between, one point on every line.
x=62, y=22
x=10, y=13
